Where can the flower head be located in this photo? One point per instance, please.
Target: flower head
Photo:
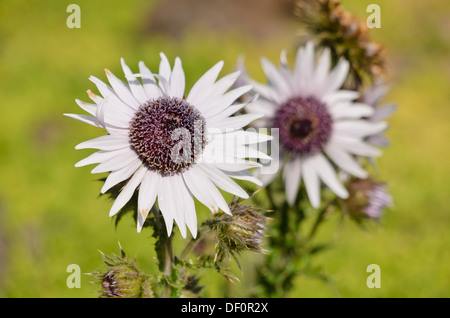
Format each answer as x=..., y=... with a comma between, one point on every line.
x=318, y=121
x=164, y=144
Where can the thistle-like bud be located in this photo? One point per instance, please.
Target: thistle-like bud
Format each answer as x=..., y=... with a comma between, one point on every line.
x=241, y=231
x=123, y=279
x=346, y=36
x=367, y=199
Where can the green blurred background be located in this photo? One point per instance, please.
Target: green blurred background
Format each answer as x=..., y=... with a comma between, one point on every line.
x=51, y=214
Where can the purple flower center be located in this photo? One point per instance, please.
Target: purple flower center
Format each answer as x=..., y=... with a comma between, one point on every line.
x=167, y=134
x=305, y=125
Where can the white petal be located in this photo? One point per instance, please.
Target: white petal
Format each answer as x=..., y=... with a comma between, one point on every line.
x=328, y=175
x=91, y=120
x=188, y=208
x=351, y=111
x=220, y=179
x=359, y=128
x=115, y=102
x=321, y=71
x=355, y=146
x=337, y=76
x=177, y=80
x=127, y=192
x=121, y=160
x=261, y=106
x=303, y=68
x=224, y=101
x=149, y=83
x=122, y=90
x=170, y=203
x=312, y=182
x=107, y=142
x=204, y=84
x=339, y=96
x=96, y=157
x=234, y=122
x=345, y=161
x=204, y=190
x=135, y=86
x=243, y=175
x=276, y=79
x=164, y=67
x=292, y=177
x=90, y=108
x=147, y=196
x=120, y=175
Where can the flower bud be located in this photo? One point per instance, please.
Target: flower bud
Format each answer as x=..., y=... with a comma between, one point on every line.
x=123, y=279
x=367, y=199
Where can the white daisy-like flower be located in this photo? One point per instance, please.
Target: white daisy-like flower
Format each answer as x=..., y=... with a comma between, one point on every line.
x=319, y=123
x=148, y=124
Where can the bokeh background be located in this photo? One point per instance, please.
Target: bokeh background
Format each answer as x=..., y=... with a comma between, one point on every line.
x=51, y=214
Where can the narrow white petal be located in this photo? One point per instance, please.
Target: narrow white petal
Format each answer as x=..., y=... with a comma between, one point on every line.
x=224, y=101
x=147, y=196
x=243, y=175
x=351, y=111
x=204, y=190
x=328, y=175
x=107, y=142
x=339, y=96
x=303, y=69
x=224, y=182
x=169, y=204
x=292, y=177
x=120, y=175
x=276, y=79
x=345, y=161
x=96, y=157
x=122, y=90
x=321, y=71
x=165, y=203
x=91, y=120
x=204, y=83
x=261, y=106
x=359, y=128
x=312, y=182
x=135, y=86
x=337, y=76
x=177, y=79
x=151, y=88
x=235, y=122
x=164, y=67
x=121, y=160
x=188, y=208
x=115, y=102
x=90, y=108
x=127, y=192
x=355, y=146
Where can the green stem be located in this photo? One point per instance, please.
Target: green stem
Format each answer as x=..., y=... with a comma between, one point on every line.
x=164, y=251
x=192, y=243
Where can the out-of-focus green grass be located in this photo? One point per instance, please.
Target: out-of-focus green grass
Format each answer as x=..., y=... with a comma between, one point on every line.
x=50, y=212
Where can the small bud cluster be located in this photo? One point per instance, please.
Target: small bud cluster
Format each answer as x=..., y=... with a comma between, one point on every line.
x=122, y=279
x=345, y=35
